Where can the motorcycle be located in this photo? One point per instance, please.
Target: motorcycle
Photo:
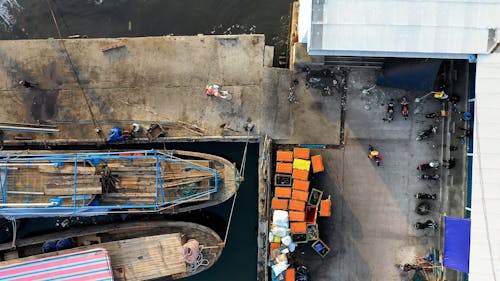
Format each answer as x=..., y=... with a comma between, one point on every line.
x=302, y=273
x=426, y=196
x=216, y=91
x=427, y=133
x=390, y=111
x=429, y=177
x=432, y=115
x=374, y=155
x=423, y=208
x=426, y=224
x=450, y=164
x=409, y=267
x=426, y=166
x=405, y=111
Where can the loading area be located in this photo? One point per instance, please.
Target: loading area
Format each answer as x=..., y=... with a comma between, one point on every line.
x=83, y=88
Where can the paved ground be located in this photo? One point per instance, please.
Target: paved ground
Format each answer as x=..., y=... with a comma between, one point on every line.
x=162, y=79
x=371, y=229
x=159, y=79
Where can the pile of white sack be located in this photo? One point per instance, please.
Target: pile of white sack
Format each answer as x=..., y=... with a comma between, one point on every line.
x=280, y=233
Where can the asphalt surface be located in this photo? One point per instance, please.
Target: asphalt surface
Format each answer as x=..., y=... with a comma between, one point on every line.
x=372, y=225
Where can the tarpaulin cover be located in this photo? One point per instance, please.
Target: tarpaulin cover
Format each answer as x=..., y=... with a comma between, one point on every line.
x=410, y=74
x=457, y=244
x=92, y=264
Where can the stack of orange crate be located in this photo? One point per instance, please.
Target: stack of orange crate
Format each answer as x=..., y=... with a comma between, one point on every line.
x=300, y=191
x=284, y=166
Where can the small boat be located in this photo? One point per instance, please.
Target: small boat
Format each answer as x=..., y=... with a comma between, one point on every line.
x=137, y=250
x=49, y=184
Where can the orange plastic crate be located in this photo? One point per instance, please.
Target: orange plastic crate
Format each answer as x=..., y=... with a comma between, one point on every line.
x=325, y=208
x=300, y=174
x=298, y=227
x=317, y=163
x=300, y=185
x=297, y=205
x=273, y=246
x=300, y=195
x=283, y=192
x=284, y=168
x=302, y=153
x=279, y=204
x=297, y=216
x=290, y=274
x=284, y=156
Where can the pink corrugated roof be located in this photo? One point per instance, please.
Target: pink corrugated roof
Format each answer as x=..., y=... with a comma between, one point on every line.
x=84, y=265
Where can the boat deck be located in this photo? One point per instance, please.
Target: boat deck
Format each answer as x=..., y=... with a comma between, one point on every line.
x=137, y=179
x=140, y=258
x=132, y=249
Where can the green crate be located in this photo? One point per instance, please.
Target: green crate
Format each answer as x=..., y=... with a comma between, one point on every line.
x=321, y=248
x=315, y=197
x=312, y=232
x=299, y=238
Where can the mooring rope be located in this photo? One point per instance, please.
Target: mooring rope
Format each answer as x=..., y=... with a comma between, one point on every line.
x=200, y=261
x=242, y=178
x=73, y=69
x=230, y=216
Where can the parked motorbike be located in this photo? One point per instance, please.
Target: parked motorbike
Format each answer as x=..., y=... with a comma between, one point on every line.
x=374, y=155
x=434, y=164
x=389, y=116
x=405, y=111
x=432, y=115
x=426, y=224
x=426, y=196
x=423, y=208
x=429, y=177
x=409, y=267
x=427, y=133
x=450, y=164
x=302, y=273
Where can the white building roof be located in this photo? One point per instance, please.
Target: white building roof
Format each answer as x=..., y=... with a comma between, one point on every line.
x=407, y=28
x=485, y=213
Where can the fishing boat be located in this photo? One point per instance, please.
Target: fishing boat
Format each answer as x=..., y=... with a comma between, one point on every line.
x=95, y=183
x=134, y=251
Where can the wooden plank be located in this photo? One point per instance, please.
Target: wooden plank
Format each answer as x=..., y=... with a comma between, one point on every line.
x=168, y=184
x=186, y=175
x=71, y=185
x=129, y=201
x=28, y=129
x=55, y=183
x=174, y=168
x=151, y=169
x=131, y=194
x=66, y=169
x=70, y=191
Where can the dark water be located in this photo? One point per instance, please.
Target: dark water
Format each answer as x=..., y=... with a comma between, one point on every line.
x=240, y=254
x=132, y=18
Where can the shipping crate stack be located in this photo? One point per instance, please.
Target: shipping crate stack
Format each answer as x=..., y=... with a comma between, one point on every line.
x=300, y=192
x=296, y=207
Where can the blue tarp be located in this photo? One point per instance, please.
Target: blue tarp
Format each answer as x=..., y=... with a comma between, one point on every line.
x=115, y=135
x=457, y=244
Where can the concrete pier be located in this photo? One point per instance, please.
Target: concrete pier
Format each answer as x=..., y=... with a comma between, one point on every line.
x=82, y=85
